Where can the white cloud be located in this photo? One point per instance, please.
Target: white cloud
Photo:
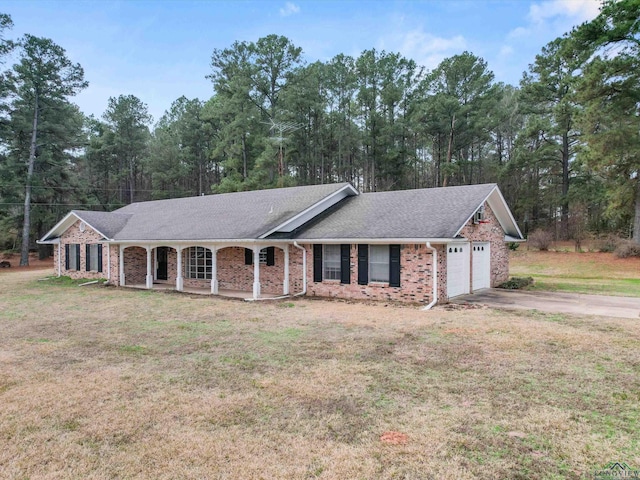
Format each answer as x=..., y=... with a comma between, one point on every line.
x=289, y=8
x=556, y=17
x=576, y=10
x=506, y=51
x=427, y=50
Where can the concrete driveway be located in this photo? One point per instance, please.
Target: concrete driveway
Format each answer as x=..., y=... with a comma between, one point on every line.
x=555, y=302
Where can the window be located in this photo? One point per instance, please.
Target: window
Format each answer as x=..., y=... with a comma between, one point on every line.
x=267, y=256
x=93, y=258
x=198, y=263
x=72, y=256
x=378, y=263
x=331, y=260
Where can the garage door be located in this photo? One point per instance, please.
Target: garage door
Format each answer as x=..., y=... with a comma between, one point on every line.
x=457, y=269
x=480, y=265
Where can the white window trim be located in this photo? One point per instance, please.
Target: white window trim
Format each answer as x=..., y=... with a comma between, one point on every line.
x=192, y=263
x=387, y=264
x=324, y=263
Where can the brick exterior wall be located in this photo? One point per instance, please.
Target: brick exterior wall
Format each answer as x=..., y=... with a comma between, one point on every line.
x=416, y=278
x=135, y=266
x=416, y=269
x=73, y=235
x=490, y=231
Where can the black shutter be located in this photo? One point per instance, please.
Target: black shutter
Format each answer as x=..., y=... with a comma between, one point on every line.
x=87, y=255
x=345, y=263
x=317, y=262
x=394, y=265
x=271, y=256
x=99, y=257
x=248, y=256
x=66, y=256
x=77, y=256
x=363, y=264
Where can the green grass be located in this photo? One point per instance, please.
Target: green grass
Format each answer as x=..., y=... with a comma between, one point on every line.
x=591, y=273
x=628, y=287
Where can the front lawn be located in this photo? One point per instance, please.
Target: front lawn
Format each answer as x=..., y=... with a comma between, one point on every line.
x=98, y=382
x=586, y=272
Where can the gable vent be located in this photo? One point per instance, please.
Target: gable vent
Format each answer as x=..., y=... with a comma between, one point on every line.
x=478, y=217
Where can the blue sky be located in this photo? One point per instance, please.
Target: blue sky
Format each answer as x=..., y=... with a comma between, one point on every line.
x=160, y=50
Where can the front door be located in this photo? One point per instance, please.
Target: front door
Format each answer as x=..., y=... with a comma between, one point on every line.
x=162, y=254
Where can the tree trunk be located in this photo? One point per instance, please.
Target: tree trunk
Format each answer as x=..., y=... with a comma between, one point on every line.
x=636, y=219
x=26, y=226
x=564, y=218
x=449, y=150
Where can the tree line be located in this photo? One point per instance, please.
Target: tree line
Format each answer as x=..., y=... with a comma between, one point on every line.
x=564, y=144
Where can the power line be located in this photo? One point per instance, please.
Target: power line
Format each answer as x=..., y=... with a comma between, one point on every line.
x=87, y=189
x=64, y=204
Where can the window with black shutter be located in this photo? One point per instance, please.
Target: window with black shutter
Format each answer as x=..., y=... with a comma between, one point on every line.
x=248, y=256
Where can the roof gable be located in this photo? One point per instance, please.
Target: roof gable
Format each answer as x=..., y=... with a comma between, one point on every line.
x=106, y=224
x=430, y=213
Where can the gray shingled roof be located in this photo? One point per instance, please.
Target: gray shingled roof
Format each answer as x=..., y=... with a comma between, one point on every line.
x=240, y=215
x=107, y=223
x=423, y=213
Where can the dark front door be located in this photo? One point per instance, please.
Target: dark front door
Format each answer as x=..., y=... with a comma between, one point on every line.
x=162, y=254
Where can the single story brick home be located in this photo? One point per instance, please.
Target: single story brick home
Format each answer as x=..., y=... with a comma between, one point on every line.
x=420, y=246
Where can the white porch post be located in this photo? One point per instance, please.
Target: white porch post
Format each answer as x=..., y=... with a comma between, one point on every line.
x=179, y=278
x=214, y=270
x=256, y=273
x=121, y=261
x=149, y=272
x=285, y=285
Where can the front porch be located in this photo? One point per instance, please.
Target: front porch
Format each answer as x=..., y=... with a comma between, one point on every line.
x=246, y=272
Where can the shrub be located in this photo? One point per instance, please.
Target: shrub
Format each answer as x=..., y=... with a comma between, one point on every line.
x=540, y=239
x=513, y=246
x=627, y=248
x=516, y=283
x=608, y=243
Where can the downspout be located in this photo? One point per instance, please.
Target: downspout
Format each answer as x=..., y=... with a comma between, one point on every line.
x=108, y=263
x=304, y=269
x=59, y=260
x=434, y=253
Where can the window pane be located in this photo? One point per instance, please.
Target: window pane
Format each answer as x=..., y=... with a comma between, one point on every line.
x=378, y=263
x=198, y=263
x=73, y=249
x=331, y=260
x=93, y=257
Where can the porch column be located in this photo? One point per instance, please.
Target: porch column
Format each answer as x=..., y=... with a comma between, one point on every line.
x=256, y=273
x=179, y=278
x=214, y=270
x=121, y=261
x=149, y=271
x=285, y=285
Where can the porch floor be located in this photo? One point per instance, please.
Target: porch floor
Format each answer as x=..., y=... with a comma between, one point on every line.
x=205, y=291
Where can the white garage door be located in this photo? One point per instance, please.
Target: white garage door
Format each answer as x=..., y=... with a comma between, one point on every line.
x=481, y=265
x=457, y=269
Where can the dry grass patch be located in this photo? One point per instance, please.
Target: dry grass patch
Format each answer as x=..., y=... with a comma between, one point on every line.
x=99, y=382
